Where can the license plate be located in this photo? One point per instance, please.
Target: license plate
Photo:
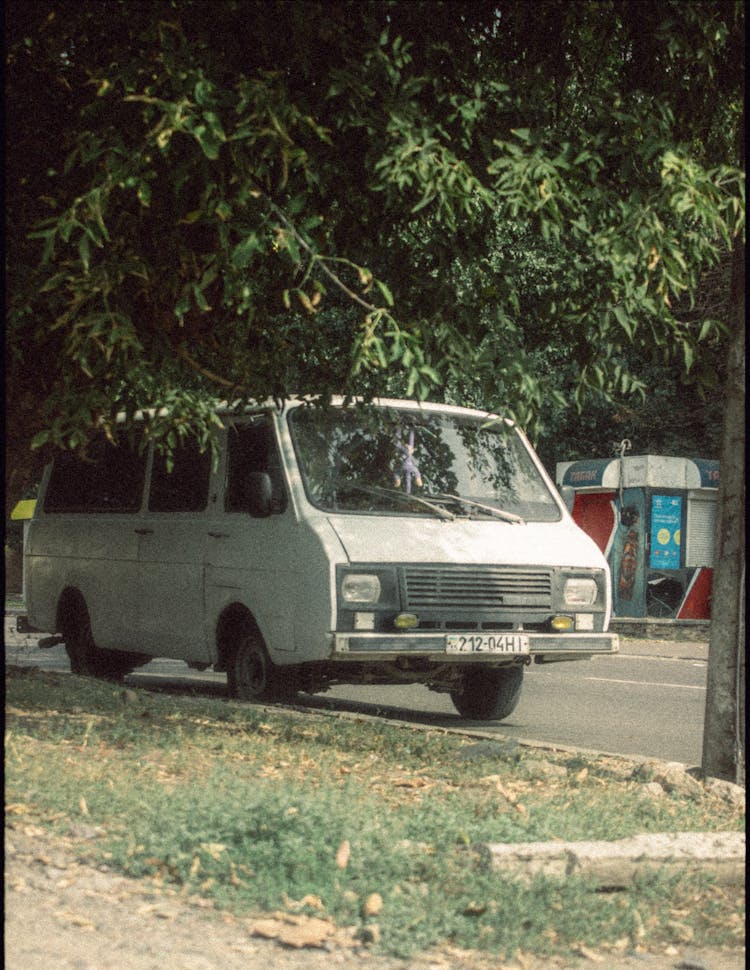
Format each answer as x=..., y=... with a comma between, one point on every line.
x=487, y=643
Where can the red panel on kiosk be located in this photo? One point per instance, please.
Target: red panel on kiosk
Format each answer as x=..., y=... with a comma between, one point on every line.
x=697, y=602
x=593, y=512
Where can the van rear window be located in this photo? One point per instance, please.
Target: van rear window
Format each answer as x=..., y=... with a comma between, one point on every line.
x=184, y=486
x=108, y=479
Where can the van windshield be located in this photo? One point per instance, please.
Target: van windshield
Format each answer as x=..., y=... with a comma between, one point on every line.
x=382, y=460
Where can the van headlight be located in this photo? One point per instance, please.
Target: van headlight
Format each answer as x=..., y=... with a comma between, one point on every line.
x=580, y=591
x=360, y=588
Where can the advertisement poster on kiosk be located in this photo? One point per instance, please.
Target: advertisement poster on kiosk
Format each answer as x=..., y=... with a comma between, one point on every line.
x=666, y=535
x=628, y=555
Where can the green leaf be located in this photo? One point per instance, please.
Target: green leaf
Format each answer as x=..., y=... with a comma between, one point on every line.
x=200, y=298
x=40, y=439
x=84, y=252
x=182, y=306
x=202, y=92
x=387, y=295
x=223, y=210
x=623, y=318
x=243, y=252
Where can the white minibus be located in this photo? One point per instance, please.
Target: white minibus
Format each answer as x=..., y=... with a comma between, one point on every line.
x=390, y=542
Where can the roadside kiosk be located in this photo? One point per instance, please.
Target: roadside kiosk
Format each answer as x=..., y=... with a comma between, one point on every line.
x=654, y=518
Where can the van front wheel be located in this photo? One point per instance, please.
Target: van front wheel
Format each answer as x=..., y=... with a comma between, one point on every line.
x=488, y=695
x=252, y=676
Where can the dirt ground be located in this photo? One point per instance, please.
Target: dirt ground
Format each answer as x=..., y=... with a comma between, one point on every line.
x=63, y=915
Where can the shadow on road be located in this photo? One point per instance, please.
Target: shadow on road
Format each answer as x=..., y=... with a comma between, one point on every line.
x=188, y=687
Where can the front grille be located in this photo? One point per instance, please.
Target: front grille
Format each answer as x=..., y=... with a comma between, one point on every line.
x=476, y=588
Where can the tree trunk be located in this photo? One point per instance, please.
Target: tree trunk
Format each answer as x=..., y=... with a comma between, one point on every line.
x=724, y=727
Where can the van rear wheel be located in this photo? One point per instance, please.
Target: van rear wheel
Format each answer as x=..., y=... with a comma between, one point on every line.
x=488, y=694
x=252, y=676
x=79, y=641
x=85, y=657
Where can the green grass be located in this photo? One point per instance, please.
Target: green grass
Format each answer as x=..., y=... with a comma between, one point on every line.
x=248, y=808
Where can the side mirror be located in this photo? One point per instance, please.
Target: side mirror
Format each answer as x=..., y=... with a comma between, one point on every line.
x=568, y=495
x=258, y=494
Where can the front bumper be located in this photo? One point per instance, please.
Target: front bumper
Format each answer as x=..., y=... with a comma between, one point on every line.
x=552, y=646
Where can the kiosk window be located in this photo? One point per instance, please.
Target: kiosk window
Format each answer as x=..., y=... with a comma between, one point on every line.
x=252, y=448
x=701, y=531
x=185, y=487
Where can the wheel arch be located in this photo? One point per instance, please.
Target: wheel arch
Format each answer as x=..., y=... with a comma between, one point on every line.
x=236, y=620
x=70, y=600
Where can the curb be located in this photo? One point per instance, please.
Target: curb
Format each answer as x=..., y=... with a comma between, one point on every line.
x=620, y=864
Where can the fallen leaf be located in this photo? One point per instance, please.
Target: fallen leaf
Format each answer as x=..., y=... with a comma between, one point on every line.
x=214, y=849
x=310, y=900
x=18, y=808
x=680, y=931
x=475, y=909
x=372, y=905
x=410, y=783
x=583, y=951
x=75, y=920
x=295, y=931
x=342, y=856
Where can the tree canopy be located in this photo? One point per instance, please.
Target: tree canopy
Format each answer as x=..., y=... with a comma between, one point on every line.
x=507, y=204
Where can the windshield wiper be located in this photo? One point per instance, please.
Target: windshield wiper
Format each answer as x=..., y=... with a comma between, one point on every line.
x=404, y=496
x=499, y=513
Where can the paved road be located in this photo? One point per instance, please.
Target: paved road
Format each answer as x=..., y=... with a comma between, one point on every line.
x=647, y=701
x=633, y=704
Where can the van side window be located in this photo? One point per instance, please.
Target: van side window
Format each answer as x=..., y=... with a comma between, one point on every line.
x=108, y=479
x=252, y=448
x=185, y=487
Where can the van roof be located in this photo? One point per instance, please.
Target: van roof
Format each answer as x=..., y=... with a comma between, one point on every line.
x=249, y=407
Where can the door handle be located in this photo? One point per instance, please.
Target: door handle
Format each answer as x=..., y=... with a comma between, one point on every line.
x=144, y=532
x=219, y=535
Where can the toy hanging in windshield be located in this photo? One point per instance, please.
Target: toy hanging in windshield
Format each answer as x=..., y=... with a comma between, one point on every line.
x=409, y=470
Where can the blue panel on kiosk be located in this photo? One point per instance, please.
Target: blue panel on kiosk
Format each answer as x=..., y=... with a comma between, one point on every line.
x=666, y=531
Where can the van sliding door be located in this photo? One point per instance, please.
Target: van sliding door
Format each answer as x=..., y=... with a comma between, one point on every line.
x=171, y=554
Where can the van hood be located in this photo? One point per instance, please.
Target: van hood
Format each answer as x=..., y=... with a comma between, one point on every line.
x=370, y=539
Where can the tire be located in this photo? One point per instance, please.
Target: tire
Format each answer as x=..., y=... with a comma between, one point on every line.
x=252, y=676
x=79, y=641
x=488, y=695
x=85, y=657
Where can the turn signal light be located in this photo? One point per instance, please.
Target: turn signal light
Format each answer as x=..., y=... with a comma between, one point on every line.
x=406, y=621
x=561, y=624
